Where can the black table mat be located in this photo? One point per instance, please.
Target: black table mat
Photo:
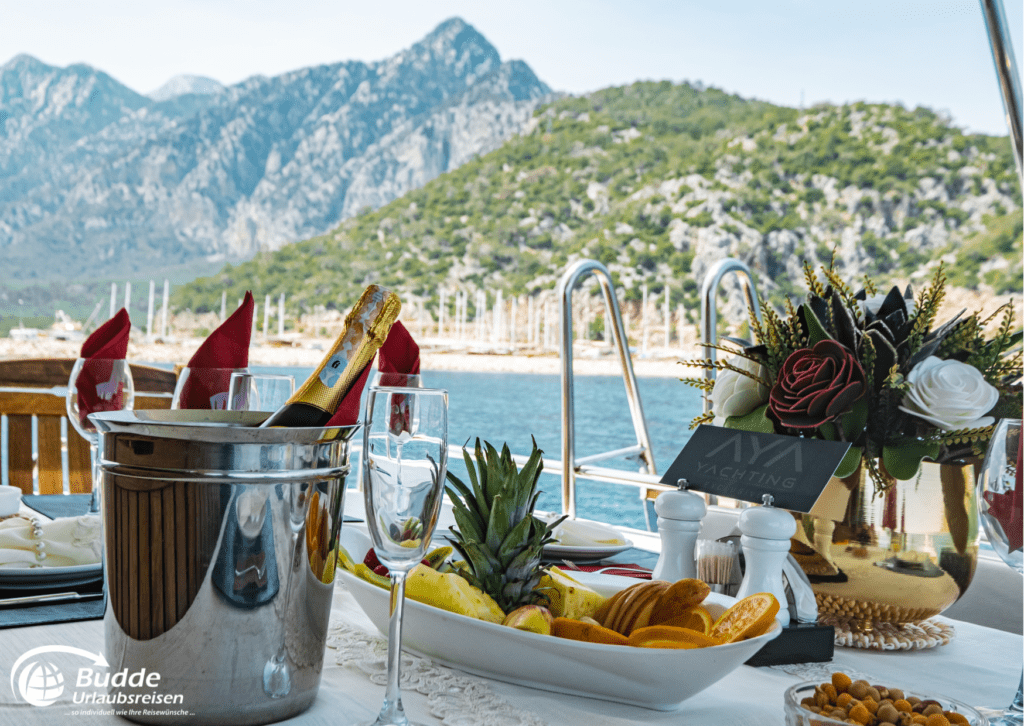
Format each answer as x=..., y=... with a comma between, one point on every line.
x=45, y=613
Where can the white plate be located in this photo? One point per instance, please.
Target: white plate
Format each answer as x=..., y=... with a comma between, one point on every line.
x=649, y=677
x=34, y=578
x=584, y=554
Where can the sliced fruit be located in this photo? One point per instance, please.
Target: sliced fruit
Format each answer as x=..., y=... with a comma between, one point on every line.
x=611, y=610
x=588, y=632
x=696, y=618
x=436, y=558
x=371, y=560
x=329, y=567
x=641, y=598
x=345, y=559
x=664, y=636
x=364, y=572
x=532, y=618
x=682, y=595
x=567, y=598
x=451, y=592
x=748, y=618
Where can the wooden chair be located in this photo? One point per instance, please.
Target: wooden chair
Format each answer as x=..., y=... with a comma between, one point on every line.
x=153, y=389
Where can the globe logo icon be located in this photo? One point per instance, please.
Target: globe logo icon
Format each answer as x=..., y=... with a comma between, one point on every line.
x=41, y=683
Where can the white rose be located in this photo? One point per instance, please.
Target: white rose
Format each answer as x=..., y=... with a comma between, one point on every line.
x=735, y=394
x=949, y=394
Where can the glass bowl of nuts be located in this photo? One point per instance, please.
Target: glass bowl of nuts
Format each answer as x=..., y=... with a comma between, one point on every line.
x=847, y=701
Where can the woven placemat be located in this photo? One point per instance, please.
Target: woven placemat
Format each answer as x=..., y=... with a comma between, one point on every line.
x=891, y=636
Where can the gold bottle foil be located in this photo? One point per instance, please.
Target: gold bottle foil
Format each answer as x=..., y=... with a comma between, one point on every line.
x=366, y=327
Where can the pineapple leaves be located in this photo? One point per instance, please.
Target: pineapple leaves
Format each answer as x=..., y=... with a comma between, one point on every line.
x=495, y=530
x=478, y=490
x=465, y=520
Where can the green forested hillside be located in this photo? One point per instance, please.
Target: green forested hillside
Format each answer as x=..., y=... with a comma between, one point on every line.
x=658, y=181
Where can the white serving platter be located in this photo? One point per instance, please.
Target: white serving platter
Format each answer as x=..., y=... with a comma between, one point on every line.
x=653, y=678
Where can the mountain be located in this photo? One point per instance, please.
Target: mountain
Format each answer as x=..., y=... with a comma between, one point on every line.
x=658, y=181
x=98, y=181
x=186, y=84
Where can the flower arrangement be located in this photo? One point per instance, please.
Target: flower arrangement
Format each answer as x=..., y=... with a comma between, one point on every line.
x=874, y=370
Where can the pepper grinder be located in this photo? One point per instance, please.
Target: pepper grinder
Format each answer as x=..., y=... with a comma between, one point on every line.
x=679, y=517
x=765, y=541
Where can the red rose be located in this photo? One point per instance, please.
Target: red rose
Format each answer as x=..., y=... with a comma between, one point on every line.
x=816, y=385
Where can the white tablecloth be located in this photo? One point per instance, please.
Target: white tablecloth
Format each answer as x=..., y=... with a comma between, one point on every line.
x=981, y=666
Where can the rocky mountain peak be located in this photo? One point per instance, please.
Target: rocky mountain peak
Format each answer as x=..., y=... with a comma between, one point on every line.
x=105, y=181
x=183, y=84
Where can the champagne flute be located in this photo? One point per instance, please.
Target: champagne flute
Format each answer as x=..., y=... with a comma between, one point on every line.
x=203, y=388
x=95, y=385
x=999, y=504
x=259, y=391
x=405, y=453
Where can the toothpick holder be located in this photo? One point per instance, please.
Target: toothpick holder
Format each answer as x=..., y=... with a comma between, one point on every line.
x=765, y=541
x=679, y=517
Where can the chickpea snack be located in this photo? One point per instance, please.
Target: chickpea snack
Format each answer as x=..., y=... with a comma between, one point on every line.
x=844, y=700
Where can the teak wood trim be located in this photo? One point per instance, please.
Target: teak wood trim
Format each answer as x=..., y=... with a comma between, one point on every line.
x=153, y=387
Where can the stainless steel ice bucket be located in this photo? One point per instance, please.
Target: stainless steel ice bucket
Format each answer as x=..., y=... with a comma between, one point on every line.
x=220, y=549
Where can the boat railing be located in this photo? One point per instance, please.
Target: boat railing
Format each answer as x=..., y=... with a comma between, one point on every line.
x=572, y=467
x=709, y=308
x=646, y=479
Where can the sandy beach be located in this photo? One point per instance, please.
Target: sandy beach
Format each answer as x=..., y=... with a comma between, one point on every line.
x=438, y=355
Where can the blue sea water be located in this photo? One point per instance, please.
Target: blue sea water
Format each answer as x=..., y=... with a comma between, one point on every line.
x=512, y=407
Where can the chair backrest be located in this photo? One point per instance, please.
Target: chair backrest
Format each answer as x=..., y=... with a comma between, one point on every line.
x=46, y=408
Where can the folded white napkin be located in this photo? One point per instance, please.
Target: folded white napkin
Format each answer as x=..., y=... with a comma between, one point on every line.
x=577, y=533
x=67, y=541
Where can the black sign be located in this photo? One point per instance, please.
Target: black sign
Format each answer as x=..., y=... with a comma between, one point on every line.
x=745, y=465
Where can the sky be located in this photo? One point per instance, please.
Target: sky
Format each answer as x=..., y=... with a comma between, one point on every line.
x=791, y=52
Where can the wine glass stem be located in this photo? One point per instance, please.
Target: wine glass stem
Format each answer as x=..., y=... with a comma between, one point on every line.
x=1017, y=707
x=94, y=501
x=392, y=712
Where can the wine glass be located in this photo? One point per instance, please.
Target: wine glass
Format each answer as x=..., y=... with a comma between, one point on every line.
x=405, y=454
x=1000, y=495
x=95, y=385
x=203, y=388
x=259, y=391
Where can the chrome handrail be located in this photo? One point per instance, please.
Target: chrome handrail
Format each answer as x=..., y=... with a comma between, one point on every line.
x=709, y=308
x=1006, y=73
x=569, y=464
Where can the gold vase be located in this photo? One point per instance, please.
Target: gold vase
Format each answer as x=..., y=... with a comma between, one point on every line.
x=899, y=556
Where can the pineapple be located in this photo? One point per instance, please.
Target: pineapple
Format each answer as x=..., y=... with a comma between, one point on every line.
x=495, y=530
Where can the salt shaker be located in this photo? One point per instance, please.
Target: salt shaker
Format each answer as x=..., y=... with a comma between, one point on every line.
x=765, y=541
x=679, y=516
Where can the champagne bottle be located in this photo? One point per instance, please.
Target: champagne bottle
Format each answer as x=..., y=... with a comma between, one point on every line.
x=366, y=327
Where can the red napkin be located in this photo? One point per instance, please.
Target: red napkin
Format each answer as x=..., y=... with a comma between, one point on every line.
x=225, y=349
x=1008, y=508
x=97, y=389
x=399, y=354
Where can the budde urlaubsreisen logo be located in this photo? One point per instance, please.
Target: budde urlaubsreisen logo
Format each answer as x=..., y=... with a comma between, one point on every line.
x=39, y=681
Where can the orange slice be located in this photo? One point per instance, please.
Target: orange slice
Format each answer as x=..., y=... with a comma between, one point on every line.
x=748, y=618
x=696, y=618
x=588, y=632
x=664, y=636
